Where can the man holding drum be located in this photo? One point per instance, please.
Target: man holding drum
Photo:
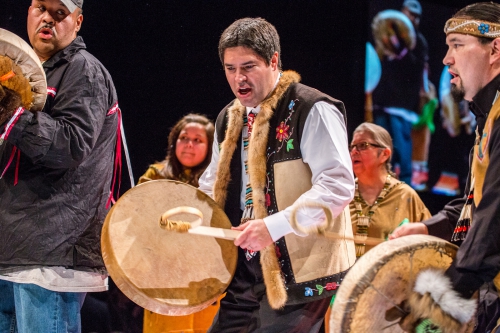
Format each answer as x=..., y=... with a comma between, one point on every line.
x=278, y=145
x=57, y=168
x=473, y=222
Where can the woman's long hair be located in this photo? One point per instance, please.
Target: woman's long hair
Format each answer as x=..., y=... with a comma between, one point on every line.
x=173, y=168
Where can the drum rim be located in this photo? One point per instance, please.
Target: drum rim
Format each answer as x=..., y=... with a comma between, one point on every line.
x=134, y=293
x=26, y=58
x=400, y=246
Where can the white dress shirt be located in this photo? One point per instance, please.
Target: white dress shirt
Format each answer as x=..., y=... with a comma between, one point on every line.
x=324, y=148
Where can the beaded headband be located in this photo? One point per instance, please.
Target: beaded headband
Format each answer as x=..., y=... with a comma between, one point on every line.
x=472, y=27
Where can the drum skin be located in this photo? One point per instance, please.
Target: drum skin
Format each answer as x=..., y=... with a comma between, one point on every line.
x=382, y=278
x=164, y=271
x=392, y=32
x=16, y=48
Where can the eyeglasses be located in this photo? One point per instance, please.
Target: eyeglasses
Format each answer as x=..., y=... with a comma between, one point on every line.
x=363, y=146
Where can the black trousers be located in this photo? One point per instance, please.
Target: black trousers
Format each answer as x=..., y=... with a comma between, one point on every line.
x=245, y=307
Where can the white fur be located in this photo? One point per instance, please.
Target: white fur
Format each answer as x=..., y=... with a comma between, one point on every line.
x=438, y=285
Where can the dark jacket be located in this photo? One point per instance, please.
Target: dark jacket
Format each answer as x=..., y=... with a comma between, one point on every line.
x=478, y=259
x=54, y=215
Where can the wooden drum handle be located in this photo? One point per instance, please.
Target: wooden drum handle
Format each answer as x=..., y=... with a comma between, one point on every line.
x=180, y=226
x=194, y=227
x=321, y=229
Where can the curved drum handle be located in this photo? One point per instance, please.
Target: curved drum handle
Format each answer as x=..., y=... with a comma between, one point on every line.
x=320, y=229
x=180, y=226
x=194, y=227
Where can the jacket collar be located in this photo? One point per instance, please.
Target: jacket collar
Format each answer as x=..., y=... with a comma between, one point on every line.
x=65, y=54
x=484, y=99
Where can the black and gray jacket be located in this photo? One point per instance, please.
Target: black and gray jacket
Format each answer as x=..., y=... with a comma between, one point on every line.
x=54, y=214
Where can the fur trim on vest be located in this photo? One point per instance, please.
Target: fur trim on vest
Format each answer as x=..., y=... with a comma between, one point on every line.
x=275, y=287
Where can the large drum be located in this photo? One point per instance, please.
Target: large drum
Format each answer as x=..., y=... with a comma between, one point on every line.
x=15, y=48
x=381, y=279
x=164, y=271
x=392, y=32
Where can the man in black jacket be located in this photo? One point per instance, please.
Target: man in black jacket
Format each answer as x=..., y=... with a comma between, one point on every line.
x=473, y=222
x=55, y=190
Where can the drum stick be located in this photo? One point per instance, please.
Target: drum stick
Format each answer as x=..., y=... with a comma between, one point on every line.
x=232, y=234
x=196, y=228
x=357, y=239
x=228, y=234
x=320, y=230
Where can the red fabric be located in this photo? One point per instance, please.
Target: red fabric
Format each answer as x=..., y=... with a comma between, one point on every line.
x=117, y=169
x=12, y=154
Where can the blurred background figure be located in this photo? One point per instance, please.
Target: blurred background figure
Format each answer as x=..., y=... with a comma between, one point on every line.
x=404, y=100
x=455, y=140
x=188, y=154
x=381, y=202
x=422, y=130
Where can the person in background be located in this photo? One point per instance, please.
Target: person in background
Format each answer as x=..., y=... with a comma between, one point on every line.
x=54, y=195
x=381, y=202
x=421, y=131
x=472, y=222
x=397, y=98
x=188, y=154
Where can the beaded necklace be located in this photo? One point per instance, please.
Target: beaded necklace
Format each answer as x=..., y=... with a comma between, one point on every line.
x=363, y=221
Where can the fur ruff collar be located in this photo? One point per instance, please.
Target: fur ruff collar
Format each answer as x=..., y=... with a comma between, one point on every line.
x=257, y=145
x=275, y=287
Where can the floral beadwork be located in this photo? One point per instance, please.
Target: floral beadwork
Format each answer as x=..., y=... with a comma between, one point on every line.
x=319, y=288
x=282, y=131
x=268, y=194
x=283, y=134
x=268, y=199
x=483, y=28
x=472, y=27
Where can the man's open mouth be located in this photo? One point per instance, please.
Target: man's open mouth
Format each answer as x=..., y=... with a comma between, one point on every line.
x=244, y=91
x=46, y=32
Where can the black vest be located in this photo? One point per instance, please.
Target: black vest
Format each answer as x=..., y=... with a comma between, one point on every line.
x=285, y=134
x=295, y=104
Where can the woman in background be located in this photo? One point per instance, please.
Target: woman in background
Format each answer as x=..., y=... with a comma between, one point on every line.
x=381, y=202
x=188, y=154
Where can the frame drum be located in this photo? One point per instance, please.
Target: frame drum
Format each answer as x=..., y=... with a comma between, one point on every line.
x=167, y=272
x=383, y=278
x=22, y=54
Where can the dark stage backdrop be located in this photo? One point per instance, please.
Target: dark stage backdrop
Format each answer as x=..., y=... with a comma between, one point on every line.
x=163, y=56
